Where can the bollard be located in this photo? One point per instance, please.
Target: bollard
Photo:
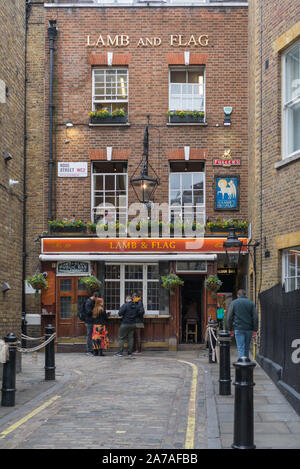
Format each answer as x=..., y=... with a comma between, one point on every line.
x=212, y=342
x=224, y=375
x=49, y=355
x=9, y=373
x=243, y=405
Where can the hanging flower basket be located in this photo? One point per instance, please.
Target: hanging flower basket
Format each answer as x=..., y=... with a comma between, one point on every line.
x=37, y=282
x=213, y=284
x=170, y=282
x=92, y=283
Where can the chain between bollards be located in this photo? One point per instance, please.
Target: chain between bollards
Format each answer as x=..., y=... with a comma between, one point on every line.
x=49, y=355
x=243, y=405
x=224, y=375
x=9, y=372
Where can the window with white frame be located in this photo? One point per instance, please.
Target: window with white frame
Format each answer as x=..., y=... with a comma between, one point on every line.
x=187, y=192
x=187, y=89
x=110, y=89
x=122, y=280
x=291, y=101
x=291, y=268
x=109, y=192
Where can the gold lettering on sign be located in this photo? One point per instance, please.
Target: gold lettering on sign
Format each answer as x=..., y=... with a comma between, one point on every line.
x=123, y=40
x=178, y=40
x=149, y=42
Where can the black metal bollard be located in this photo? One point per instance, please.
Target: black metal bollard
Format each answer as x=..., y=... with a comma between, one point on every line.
x=9, y=373
x=243, y=405
x=49, y=355
x=224, y=375
x=212, y=342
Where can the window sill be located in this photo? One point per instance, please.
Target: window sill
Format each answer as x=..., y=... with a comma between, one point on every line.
x=203, y=124
x=288, y=160
x=110, y=125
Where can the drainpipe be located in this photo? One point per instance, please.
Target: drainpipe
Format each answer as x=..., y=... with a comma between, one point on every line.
x=52, y=32
x=24, y=254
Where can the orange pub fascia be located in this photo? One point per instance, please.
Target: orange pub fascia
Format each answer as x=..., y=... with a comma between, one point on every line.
x=137, y=265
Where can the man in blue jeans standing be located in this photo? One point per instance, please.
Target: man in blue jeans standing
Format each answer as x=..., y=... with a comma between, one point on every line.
x=242, y=318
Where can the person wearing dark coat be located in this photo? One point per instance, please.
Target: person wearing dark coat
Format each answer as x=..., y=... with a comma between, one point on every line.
x=242, y=319
x=128, y=313
x=139, y=326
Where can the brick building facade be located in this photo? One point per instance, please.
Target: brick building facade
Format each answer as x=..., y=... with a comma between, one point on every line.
x=153, y=54
x=274, y=209
x=12, y=89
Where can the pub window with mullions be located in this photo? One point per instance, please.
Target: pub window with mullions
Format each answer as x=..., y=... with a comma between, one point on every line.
x=109, y=191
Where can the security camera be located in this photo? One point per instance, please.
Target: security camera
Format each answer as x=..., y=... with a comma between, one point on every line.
x=45, y=274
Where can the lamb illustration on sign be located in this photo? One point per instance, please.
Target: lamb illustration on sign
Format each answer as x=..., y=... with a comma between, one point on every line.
x=227, y=192
x=227, y=188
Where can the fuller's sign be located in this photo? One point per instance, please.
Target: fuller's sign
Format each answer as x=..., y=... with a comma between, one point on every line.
x=123, y=40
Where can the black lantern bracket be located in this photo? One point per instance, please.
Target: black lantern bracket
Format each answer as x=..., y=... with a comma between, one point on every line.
x=144, y=185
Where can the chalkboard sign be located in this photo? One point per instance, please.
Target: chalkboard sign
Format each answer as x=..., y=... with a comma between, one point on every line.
x=73, y=268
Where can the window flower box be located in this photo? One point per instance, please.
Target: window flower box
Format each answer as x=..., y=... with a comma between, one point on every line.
x=186, y=117
x=67, y=226
x=222, y=226
x=103, y=116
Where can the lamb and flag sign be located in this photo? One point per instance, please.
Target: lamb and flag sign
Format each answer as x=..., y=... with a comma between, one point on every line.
x=227, y=192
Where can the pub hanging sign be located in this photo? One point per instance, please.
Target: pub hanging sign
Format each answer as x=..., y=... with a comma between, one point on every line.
x=73, y=268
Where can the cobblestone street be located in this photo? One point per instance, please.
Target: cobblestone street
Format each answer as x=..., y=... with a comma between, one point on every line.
x=158, y=400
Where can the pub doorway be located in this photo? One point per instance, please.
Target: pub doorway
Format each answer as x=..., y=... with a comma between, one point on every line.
x=192, y=307
x=70, y=294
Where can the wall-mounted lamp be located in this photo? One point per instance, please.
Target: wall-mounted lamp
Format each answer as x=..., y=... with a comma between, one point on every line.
x=13, y=183
x=7, y=156
x=5, y=287
x=227, y=118
x=69, y=124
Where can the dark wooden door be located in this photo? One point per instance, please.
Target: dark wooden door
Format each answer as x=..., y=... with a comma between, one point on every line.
x=70, y=293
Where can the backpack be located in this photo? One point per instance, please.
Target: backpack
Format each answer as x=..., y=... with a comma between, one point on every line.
x=81, y=311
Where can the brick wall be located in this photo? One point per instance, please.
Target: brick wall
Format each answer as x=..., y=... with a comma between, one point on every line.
x=226, y=84
x=12, y=44
x=277, y=211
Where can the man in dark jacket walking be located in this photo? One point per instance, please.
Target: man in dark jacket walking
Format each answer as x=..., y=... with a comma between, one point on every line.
x=128, y=312
x=242, y=318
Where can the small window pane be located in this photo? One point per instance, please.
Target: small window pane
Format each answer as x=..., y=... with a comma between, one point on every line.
x=178, y=76
x=65, y=307
x=134, y=272
x=66, y=285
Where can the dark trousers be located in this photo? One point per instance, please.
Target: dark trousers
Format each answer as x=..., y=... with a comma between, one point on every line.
x=138, y=339
x=89, y=333
x=126, y=331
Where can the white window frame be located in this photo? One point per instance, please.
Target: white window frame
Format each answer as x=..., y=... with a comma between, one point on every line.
x=109, y=101
x=285, y=107
x=189, y=69
x=122, y=281
x=93, y=190
x=187, y=205
x=285, y=269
